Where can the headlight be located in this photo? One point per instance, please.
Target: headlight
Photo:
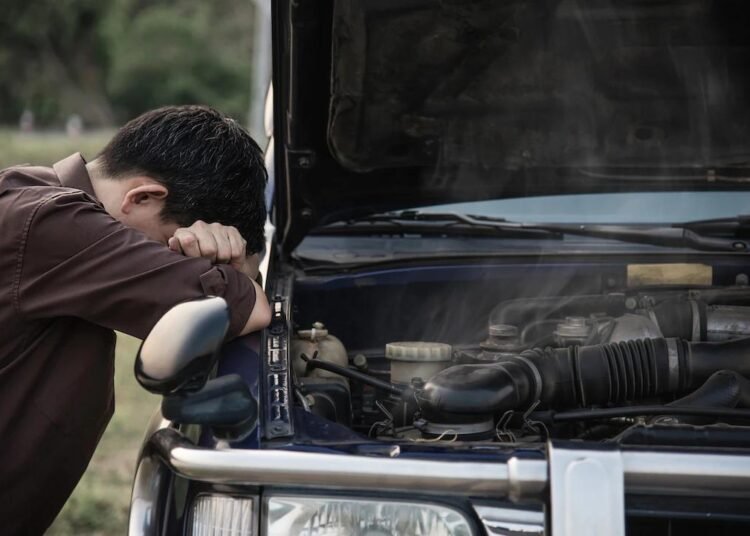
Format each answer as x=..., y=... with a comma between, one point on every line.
x=215, y=515
x=333, y=516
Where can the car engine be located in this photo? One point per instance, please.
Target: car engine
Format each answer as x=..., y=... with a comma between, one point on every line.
x=609, y=367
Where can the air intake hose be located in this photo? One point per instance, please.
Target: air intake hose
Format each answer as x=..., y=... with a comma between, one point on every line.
x=723, y=389
x=580, y=377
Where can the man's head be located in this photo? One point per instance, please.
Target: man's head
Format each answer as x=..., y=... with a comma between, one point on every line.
x=175, y=165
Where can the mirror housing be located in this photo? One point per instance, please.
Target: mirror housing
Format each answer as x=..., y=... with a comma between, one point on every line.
x=225, y=404
x=182, y=347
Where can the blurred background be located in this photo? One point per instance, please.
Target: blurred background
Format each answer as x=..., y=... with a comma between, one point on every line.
x=72, y=72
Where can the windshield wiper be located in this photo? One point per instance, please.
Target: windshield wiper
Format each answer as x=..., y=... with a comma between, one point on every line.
x=689, y=235
x=672, y=236
x=735, y=226
x=433, y=224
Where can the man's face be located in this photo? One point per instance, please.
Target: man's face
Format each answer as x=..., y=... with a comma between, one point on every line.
x=151, y=225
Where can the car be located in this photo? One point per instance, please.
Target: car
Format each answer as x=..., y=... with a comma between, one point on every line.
x=509, y=278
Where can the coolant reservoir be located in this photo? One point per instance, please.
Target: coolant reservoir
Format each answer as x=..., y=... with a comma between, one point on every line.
x=417, y=359
x=317, y=339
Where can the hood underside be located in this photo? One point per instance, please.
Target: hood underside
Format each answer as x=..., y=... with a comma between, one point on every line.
x=556, y=83
x=392, y=104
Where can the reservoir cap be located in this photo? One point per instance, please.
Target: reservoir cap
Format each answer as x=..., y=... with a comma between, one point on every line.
x=418, y=351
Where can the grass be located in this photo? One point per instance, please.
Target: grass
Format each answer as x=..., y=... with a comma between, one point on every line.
x=46, y=148
x=99, y=504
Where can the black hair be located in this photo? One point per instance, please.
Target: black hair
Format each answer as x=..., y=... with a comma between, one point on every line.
x=213, y=169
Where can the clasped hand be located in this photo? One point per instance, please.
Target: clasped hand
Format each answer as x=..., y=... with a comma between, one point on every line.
x=221, y=244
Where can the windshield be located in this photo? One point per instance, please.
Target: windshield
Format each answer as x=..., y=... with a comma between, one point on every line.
x=635, y=208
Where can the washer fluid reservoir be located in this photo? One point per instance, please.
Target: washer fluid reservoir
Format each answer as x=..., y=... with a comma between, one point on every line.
x=417, y=359
x=317, y=339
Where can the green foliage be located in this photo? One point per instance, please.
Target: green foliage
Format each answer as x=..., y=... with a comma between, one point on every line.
x=50, y=55
x=109, y=61
x=156, y=62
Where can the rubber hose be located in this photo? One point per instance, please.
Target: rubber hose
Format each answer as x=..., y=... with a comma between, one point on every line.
x=352, y=374
x=596, y=375
x=723, y=389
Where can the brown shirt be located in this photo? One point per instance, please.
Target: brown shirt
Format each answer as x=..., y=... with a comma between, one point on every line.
x=69, y=275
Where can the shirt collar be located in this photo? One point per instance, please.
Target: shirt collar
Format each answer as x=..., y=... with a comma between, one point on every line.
x=72, y=173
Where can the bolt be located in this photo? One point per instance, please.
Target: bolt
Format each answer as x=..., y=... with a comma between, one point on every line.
x=360, y=361
x=741, y=280
x=304, y=162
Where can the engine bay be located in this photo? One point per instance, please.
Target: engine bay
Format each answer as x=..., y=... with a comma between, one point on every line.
x=654, y=364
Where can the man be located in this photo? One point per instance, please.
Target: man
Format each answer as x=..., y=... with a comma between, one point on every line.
x=167, y=212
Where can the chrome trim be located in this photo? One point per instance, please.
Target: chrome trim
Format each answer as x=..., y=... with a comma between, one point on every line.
x=587, y=494
x=145, y=515
x=146, y=508
x=342, y=471
x=680, y=473
x=661, y=472
x=526, y=478
x=499, y=521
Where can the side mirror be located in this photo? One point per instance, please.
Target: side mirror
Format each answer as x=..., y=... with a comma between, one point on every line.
x=225, y=404
x=181, y=349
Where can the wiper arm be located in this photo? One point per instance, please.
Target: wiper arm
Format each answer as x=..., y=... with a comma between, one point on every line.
x=738, y=226
x=674, y=237
x=429, y=223
x=690, y=235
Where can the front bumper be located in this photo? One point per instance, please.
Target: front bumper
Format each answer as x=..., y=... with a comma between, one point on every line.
x=583, y=488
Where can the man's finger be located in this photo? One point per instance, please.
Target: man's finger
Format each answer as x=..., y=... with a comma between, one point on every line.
x=188, y=242
x=174, y=244
x=223, y=246
x=238, y=247
x=206, y=242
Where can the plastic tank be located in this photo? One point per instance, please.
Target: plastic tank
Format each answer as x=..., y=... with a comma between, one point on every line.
x=417, y=359
x=317, y=339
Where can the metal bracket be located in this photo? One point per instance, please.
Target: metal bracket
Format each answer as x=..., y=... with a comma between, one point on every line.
x=587, y=492
x=277, y=403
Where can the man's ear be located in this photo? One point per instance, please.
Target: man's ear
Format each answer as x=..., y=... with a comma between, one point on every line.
x=143, y=195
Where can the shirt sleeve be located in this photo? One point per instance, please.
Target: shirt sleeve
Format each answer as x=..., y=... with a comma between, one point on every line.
x=76, y=260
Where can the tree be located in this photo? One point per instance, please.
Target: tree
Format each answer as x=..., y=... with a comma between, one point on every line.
x=52, y=54
x=109, y=61
x=179, y=54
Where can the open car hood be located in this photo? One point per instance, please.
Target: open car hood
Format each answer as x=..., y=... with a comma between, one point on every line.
x=389, y=104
